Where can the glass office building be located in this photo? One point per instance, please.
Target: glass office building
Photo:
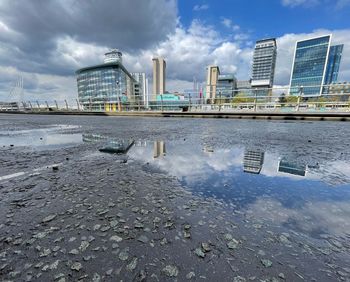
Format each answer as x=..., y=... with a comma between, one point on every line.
x=334, y=58
x=226, y=86
x=105, y=87
x=309, y=67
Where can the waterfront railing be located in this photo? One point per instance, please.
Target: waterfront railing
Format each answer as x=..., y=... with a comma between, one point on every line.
x=278, y=99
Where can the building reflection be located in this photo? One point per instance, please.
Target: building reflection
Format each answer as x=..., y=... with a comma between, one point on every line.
x=159, y=149
x=253, y=161
x=291, y=167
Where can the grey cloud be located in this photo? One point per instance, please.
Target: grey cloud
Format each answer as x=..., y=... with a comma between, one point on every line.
x=36, y=26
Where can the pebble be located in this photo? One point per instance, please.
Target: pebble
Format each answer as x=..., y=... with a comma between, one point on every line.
x=170, y=271
x=76, y=266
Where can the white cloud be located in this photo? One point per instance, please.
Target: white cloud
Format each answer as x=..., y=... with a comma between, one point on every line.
x=200, y=7
x=336, y=4
x=327, y=216
x=295, y=3
x=342, y=4
x=229, y=24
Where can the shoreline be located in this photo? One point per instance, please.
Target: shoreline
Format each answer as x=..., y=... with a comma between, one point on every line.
x=318, y=116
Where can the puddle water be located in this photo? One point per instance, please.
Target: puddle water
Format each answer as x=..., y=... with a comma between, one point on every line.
x=312, y=198
x=43, y=138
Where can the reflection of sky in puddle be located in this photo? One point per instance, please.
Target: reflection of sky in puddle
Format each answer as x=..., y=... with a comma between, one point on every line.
x=51, y=137
x=311, y=198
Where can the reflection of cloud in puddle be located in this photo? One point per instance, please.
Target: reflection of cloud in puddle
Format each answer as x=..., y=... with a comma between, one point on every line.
x=330, y=217
x=192, y=163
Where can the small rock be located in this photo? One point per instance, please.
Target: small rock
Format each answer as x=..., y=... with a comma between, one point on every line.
x=170, y=271
x=239, y=279
x=49, y=218
x=132, y=265
x=190, y=275
x=124, y=254
x=84, y=245
x=116, y=238
x=199, y=252
x=266, y=262
x=205, y=247
x=233, y=244
x=76, y=266
x=143, y=239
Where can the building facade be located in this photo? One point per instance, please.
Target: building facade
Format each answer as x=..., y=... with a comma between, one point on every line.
x=342, y=89
x=244, y=87
x=264, y=62
x=309, y=66
x=106, y=86
x=334, y=59
x=141, y=88
x=226, y=86
x=159, y=76
x=253, y=161
x=213, y=73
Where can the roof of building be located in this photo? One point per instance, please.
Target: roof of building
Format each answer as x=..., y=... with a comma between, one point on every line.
x=266, y=39
x=101, y=66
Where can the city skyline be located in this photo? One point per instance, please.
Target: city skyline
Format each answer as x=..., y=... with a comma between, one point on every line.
x=190, y=36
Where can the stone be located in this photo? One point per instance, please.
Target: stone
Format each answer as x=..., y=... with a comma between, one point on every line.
x=49, y=218
x=233, y=244
x=143, y=239
x=84, y=245
x=96, y=277
x=116, y=238
x=239, y=279
x=199, y=252
x=190, y=275
x=132, y=265
x=170, y=271
x=266, y=262
x=124, y=254
x=45, y=253
x=76, y=266
x=205, y=247
x=74, y=252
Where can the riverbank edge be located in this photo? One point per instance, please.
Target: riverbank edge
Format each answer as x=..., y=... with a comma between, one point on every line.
x=345, y=116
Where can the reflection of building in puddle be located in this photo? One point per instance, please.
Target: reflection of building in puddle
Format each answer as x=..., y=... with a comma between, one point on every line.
x=159, y=149
x=291, y=167
x=253, y=161
x=140, y=143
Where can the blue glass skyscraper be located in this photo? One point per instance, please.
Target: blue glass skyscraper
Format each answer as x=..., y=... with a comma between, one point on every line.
x=309, y=67
x=334, y=58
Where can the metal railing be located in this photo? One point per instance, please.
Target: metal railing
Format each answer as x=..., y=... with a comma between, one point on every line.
x=252, y=100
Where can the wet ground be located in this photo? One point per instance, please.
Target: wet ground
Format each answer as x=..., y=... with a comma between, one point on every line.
x=192, y=199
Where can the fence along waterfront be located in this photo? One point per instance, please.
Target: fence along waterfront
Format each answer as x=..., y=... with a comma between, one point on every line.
x=275, y=99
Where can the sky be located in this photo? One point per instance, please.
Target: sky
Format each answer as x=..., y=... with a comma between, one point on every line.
x=46, y=41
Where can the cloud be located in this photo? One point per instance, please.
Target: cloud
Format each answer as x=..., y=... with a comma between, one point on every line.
x=229, y=24
x=336, y=4
x=342, y=4
x=200, y=7
x=295, y=3
x=324, y=216
x=62, y=36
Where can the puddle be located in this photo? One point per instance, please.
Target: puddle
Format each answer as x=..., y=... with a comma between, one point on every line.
x=266, y=186
x=43, y=138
